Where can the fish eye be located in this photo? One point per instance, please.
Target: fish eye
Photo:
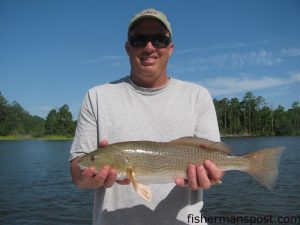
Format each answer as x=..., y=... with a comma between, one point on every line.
x=93, y=158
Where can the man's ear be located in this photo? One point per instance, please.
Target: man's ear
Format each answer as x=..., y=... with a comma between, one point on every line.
x=171, y=49
x=127, y=48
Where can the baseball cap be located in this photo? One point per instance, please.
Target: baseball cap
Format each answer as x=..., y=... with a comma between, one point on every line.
x=151, y=13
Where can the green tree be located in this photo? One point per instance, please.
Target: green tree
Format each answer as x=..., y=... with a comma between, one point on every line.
x=65, y=121
x=260, y=103
x=294, y=115
x=282, y=125
x=16, y=119
x=248, y=106
x=51, y=123
x=3, y=115
x=60, y=122
x=235, y=115
x=266, y=123
x=35, y=126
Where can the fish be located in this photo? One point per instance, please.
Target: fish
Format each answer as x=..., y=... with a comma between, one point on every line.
x=149, y=162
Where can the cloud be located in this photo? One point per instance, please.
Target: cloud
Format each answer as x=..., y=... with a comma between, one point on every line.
x=290, y=52
x=256, y=58
x=236, y=60
x=210, y=48
x=231, y=60
x=221, y=86
x=295, y=76
x=236, y=55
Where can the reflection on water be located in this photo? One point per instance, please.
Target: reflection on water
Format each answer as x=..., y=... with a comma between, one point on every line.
x=36, y=187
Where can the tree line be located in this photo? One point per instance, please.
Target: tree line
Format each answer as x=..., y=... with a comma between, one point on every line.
x=254, y=116
x=250, y=116
x=14, y=120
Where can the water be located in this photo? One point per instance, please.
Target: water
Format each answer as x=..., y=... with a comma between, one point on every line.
x=36, y=186
x=241, y=195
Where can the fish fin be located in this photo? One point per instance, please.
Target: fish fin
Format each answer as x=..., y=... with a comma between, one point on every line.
x=203, y=143
x=143, y=190
x=264, y=165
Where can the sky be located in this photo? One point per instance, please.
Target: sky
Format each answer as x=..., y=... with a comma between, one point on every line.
x=53, y=51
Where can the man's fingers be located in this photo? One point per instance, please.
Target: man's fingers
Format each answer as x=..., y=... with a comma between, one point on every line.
x=104, y=177
x=213, y=171
x=101, y=176
x=180, y=182
x=89, y=172
x=196, y=178
x=202, y=178
x=192, y=178
x=103, y=143
x=111, y=178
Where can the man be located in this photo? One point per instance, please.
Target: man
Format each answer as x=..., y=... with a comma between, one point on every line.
x=147, y=105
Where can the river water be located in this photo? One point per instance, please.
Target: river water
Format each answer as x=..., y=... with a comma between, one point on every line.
x=36, y=186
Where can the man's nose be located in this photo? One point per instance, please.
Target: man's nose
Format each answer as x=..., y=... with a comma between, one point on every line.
x=149, y=46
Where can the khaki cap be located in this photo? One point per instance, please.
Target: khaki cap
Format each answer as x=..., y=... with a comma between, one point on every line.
x=151, y=13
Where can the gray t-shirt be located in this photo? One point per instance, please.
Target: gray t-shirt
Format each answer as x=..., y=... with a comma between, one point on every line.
x=121, y=111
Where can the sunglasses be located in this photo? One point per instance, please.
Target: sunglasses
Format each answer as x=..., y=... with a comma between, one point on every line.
x=157, y=40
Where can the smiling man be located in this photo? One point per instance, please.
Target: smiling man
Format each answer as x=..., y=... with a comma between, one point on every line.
x=149, y=48
x=146, y=105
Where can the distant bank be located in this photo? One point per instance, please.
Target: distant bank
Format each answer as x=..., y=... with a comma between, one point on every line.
x=28, y=137
x=66, y=138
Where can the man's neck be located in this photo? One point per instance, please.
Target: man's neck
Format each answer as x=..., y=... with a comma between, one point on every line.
x=150, y=82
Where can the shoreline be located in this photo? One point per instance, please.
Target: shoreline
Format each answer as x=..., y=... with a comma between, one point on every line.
x=66, y=138
x=28, y=137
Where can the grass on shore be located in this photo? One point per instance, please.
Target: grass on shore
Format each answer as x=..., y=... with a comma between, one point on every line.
x=28, y=137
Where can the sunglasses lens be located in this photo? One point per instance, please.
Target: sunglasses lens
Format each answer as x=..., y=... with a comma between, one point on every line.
x=137, y=41
x=157, y=40
x=160, y=41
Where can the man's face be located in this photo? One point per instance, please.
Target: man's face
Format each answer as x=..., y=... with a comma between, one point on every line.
x=149, y=62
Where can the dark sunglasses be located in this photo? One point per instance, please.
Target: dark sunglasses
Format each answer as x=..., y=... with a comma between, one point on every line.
x=157, y=40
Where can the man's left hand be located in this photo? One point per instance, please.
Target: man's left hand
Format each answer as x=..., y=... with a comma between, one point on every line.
x=201, y=176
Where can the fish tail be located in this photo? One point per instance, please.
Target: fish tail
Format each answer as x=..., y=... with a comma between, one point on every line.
x=264, y=165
